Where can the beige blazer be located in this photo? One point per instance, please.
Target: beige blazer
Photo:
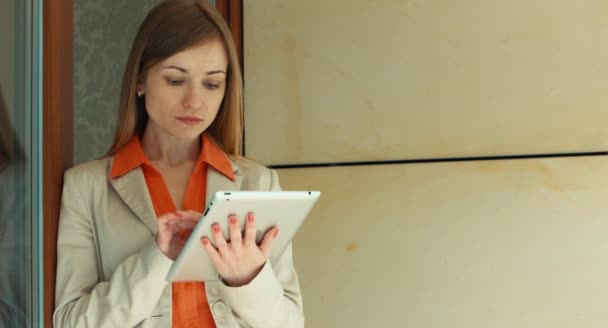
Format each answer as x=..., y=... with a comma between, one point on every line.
x=110, y=273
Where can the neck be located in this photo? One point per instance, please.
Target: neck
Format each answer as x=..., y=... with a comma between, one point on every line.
x=168, y=149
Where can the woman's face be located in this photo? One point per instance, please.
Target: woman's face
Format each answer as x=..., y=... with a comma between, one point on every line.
x=184, y=92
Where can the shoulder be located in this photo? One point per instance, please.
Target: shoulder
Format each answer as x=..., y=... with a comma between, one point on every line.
x=256, y=174
x=92, y=172
x=247, y=166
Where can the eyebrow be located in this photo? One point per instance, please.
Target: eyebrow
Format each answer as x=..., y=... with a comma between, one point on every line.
x=181, y=69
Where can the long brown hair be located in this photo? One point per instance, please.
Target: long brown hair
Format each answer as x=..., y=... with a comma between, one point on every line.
x=170, y=27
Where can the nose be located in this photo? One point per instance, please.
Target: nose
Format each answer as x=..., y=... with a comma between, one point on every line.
x=193, y=98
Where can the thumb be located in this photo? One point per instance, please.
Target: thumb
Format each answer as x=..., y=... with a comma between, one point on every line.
x=268, y=241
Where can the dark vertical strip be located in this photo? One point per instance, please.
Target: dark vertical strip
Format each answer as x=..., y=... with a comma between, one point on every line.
x=235, y=21
x=222, y=7
x=57, y=129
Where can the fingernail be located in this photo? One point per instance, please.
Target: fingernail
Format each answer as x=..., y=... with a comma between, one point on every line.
x=205, y=241
x=232, y=219
x=179, y=215
x=250, y=217
x=216, y=228
x=276, y=232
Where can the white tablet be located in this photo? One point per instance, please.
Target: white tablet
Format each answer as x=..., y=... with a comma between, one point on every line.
x=285, y=209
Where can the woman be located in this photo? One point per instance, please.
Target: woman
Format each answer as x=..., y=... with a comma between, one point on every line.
x=124, y=218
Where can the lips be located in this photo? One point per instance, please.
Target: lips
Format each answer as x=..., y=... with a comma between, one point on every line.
x=189, y=120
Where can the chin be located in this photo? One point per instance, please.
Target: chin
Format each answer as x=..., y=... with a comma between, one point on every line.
x=187, y=135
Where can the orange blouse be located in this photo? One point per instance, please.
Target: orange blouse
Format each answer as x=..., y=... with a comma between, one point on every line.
x=189, y=301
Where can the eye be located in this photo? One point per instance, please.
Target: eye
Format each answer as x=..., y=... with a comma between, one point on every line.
x=174, y=82
x=211, y=86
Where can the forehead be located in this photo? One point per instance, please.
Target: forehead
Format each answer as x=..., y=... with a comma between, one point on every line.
x=210, y=55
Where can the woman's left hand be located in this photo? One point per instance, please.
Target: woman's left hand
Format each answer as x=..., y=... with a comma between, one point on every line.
x=239, y=260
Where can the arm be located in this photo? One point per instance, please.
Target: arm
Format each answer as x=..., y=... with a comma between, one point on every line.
x=272, y=298
x=82, y=300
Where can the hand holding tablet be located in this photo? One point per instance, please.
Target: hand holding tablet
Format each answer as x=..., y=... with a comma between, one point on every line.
x=228, y=216
x=240, y=258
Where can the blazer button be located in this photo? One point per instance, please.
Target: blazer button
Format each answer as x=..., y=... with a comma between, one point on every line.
x=219, y=309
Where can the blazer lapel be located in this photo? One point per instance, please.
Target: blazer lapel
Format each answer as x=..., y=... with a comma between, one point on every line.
x=132, y=188
x=216, y=181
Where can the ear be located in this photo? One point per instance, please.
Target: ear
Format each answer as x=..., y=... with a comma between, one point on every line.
x=139, y=87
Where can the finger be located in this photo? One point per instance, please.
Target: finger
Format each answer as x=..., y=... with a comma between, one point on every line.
x=189, y=215
x=186, y=225
x=173, y=222
x=250, y=229
x=268, y=241
x=195, y=213
x=167, y=223
x=212, y=251
x=168, y=217
x=218, y=238
x=236, y=237
x=189, y=220
x=176, y=225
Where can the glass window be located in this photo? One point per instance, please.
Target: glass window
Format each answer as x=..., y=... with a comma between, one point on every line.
x=20, y=169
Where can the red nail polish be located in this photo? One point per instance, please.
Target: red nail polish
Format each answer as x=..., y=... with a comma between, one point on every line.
x=205, y=241
x=232, y=220
x=178, y=214
x=249, y=217
x=276, y=232
x=216, y=228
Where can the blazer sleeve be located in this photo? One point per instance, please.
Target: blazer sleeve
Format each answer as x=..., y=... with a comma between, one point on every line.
x=81, y=299
x=273, y=297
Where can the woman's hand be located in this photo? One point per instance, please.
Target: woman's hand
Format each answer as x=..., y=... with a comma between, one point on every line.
x=241, y=259
x=174, y=230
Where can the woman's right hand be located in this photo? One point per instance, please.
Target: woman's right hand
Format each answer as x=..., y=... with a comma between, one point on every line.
x=174, y=230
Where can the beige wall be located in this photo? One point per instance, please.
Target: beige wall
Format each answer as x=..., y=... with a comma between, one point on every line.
x=476, y=244
x=345, y=80
x=519, y=243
